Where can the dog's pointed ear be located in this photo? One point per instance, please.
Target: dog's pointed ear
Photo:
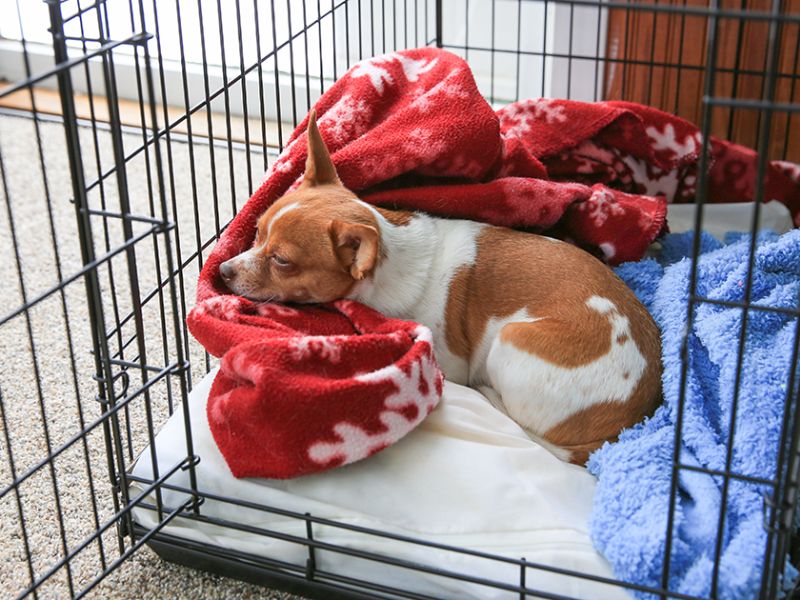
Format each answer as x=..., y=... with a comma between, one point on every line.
x=356, y=246
x=319, y=166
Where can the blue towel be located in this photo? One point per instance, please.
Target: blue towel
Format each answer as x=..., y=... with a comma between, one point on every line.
x=631, y=504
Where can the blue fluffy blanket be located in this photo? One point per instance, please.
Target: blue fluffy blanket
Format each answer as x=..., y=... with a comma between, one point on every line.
x=631, y=503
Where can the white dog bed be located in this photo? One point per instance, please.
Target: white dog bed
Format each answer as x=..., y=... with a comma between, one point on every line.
x=467, y=476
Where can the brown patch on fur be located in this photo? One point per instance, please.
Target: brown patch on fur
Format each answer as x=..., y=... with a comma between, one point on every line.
x=577, y=346
x=559, y=280
x=604, y=421
x=492, y=288
x=457, y=330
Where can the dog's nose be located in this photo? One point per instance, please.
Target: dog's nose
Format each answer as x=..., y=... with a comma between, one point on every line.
x=227, y=271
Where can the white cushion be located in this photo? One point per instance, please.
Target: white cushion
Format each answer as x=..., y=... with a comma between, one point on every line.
x=467, y=476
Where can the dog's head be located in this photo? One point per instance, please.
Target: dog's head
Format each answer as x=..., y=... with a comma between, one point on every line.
x=312, y=244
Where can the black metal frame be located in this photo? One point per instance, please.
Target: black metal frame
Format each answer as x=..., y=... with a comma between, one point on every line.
x=143, y=357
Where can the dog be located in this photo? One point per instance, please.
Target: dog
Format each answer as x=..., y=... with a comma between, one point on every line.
x=546, y=331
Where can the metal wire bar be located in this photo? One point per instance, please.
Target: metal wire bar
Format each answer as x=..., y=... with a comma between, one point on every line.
x=396, y=537
x=134, y=548
x=744, y=103
x=702, y=190
x=101, y=420
x=764, y=132
x=209, y=124
x=172, y=263
x=37, y=374
x=281, y=566
x=781, y=310
x=291, y=61
x=261, y=102
x=62, y=294
x=150, y=295
x=87, y=269
x=154, y=486
x=245, y=110
x=691, y=11
x=729, y=474
x=227, y=103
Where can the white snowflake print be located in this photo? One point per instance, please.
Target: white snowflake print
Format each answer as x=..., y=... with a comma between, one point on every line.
x=356, y=443
x=520, y=114
x=345, y=120
x=791, y=170
x=412, y=69
x=240, y=365
x=667, y=140
x=422, y=143
x=545, y=108
x=378, y=75
x=326, y=347
x=221, y=307
x=600, y=205
x=450, y=87
x=654, y=181
x=271, y=309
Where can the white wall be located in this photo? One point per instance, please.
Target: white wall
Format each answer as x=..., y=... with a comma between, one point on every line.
x=522, y=25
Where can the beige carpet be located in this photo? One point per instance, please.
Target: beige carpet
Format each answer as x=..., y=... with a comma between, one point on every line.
x=52, y=403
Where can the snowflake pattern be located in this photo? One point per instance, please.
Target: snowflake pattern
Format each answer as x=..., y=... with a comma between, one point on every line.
x=226, y=308
x=449, y=87
x=243, y=367
x=600, y=205
x=273, y=310
x=347, y=119
x=325, y=346
x=355, y=443
x=667, y=140
x=374, y=68
x=790, y=169
x=651, y=180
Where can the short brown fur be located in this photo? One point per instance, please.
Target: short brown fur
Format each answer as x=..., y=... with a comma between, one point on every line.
x=570, y=333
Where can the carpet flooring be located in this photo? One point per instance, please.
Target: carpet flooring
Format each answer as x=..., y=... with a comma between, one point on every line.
x=47, y=391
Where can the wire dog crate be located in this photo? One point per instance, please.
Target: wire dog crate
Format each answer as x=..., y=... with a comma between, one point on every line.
x=132, y=133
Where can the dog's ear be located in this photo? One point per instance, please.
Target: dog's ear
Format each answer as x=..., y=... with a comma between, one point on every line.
x=355, y=245
x=319, y=166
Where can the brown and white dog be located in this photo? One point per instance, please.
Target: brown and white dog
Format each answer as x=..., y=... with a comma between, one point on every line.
x=551, y=335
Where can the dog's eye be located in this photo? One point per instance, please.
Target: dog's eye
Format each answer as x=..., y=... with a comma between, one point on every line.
x=280, y=262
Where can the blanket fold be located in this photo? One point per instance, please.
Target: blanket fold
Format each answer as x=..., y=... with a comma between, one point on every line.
x=301, y=391
x=411, y=130
x=629, y=518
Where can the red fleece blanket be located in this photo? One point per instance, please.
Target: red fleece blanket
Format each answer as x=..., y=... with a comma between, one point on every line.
x=411, y=130
x=301, y=391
